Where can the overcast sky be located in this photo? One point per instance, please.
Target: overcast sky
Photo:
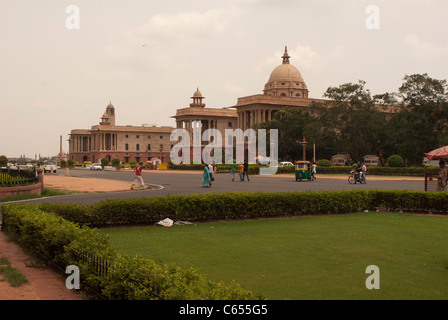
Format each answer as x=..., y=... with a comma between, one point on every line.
x=148, y=57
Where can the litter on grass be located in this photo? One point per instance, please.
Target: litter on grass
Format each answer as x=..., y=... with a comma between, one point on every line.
x=167, y=222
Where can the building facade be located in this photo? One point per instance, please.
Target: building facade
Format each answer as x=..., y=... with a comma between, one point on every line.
x=127, y=143
x=285, y=88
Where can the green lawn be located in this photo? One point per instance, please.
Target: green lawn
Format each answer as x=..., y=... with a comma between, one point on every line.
x=320, y=257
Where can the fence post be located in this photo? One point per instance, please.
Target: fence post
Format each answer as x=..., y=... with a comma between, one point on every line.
x=40, y=176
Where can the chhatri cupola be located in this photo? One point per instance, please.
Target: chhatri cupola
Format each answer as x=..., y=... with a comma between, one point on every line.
x=197, y=99
x=108, y=118
x=286, y=81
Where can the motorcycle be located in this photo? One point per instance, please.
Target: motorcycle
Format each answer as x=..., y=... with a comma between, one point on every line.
x=354, y=177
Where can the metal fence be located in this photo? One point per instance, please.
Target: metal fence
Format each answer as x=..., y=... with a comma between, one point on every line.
x=102, y=268
x=18, y=177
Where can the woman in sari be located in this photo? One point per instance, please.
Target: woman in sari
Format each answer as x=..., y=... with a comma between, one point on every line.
x=206, y=181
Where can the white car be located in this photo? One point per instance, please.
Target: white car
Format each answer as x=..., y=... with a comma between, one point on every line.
x=50, y=165
x=96, y=167
x=285, y=164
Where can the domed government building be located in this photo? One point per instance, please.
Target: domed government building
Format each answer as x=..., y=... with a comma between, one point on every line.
x=285, y=88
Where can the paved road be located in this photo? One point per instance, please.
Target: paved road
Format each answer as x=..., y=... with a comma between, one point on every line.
x=190, y=182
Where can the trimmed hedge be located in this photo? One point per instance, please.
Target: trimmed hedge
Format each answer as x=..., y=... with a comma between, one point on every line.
x=215, y=206
x=59, y=241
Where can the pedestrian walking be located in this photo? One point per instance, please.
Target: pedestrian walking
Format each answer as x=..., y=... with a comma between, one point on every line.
x=233, y=170
x=211, y=172
x=246, y=170
x=138, y=180
x=313, y=171
x=206, y=180
x=364, y=171
x=241, y=171
x=442, y=177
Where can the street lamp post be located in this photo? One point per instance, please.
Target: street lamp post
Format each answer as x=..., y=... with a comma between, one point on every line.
x=304, y=143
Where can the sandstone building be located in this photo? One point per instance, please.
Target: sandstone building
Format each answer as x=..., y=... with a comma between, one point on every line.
x=285, y=88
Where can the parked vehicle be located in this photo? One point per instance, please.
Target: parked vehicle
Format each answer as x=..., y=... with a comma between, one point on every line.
x=355, y=176
x=96, y=167
x=49, y=165
x=285, y=164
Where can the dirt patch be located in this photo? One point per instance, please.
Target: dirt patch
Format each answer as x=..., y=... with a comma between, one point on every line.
x=23, y=292
x=77, y=184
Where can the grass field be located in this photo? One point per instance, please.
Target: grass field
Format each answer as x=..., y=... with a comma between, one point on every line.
x=319, y=257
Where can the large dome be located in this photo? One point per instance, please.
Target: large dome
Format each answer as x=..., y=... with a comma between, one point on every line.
x=285, y=72
x=286, y=81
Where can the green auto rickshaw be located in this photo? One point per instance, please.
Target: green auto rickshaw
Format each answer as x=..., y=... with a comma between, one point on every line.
x=303, y=170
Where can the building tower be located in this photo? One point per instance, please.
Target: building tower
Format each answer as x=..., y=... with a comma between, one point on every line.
x=108, y=117
x=286, y=81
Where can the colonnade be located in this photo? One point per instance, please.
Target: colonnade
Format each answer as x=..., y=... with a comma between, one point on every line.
x=190, y=124
x=248, y=118
x=97, y=142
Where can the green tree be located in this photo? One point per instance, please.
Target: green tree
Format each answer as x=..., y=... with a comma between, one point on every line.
x=104, y=162
x=3, y=161
x=292, y=124
x=115, y=162
x=421, y=125
x=351, y=121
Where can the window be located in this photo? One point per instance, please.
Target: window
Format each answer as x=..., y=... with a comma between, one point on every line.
x=161, y=147
x=126, y=136
x=126, y=159
x=149, y=147
x=283, y=95
x=161, y=137
x=230, y=124
x=149, y=137
x=137, y=159
x=126, y=147
x=137, y=147
x=137, y=136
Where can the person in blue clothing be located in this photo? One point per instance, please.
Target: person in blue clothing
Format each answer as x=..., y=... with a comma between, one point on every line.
x=206, y=180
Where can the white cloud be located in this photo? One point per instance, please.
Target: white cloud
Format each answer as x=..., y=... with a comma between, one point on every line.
x=421, y=48
x=188, y=26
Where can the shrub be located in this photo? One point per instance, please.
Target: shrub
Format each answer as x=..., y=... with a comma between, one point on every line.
x=104, y=162
x=325, y=163
x=395, y=161
x=115, y=162
x=3, y=161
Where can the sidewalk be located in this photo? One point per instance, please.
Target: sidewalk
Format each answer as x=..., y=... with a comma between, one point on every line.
x=44, y=283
